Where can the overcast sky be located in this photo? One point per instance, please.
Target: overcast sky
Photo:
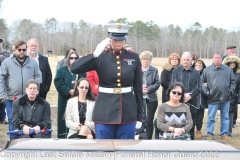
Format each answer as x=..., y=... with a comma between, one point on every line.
x=217, y=13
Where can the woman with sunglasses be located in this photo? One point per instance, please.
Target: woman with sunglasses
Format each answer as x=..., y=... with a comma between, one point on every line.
x=79, y=111
x=64, y=82
x=174, y=117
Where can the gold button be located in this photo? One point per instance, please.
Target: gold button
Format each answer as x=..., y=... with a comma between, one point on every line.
x=117, y=57
x=118, y=74
x=31, y=125
x=118, y=62
x=118, y=80
x=119, y=84
x=118, y=67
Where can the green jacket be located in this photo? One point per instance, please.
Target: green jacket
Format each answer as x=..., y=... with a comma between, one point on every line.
x=63, y=83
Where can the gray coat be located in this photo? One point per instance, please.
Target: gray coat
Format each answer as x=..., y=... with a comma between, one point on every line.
x=13, y=76
x=61, y=63
x=220, y=83
x=153, y=83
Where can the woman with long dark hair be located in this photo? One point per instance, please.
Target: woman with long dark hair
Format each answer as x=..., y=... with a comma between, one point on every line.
x=79, y=111
x=64, y=82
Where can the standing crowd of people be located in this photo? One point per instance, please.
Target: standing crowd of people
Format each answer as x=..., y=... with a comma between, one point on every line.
x=112, y=92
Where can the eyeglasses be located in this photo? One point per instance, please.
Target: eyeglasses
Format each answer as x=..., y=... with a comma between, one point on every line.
x=19, y=50
x=178, y=93
x=84, y=87
x=199, y=65
x=73, y=58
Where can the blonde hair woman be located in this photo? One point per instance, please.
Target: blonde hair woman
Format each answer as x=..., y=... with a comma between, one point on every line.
x=151, y=83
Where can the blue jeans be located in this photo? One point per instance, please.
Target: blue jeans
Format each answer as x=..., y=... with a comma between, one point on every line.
x=8, y=104
x=2, y=111
x=212, y=110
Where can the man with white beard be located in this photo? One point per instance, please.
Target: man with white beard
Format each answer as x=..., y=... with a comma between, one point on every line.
x=44, y=66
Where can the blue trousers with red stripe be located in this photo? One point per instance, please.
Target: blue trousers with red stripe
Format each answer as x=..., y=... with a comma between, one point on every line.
x=115, y=131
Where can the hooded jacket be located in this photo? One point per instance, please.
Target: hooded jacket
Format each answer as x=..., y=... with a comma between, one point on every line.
x=236, y=72
x=14, y=76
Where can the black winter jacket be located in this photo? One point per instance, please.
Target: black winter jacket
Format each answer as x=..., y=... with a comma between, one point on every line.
x=39, y=114
x=220, y=83
x=166, y=80
x=153, y=83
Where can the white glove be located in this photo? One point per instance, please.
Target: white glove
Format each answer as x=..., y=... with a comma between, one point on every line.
x=101, y=46
x=138, y=125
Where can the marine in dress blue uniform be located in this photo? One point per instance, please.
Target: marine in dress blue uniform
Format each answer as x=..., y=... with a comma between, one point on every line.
x=117, y=107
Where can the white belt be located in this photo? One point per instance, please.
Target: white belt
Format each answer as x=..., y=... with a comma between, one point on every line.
x=115, y=90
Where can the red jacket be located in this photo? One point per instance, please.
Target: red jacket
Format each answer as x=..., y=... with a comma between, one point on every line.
x=93, y=79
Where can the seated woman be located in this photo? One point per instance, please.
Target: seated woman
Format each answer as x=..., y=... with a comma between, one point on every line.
x=31, y=112
x=174, y=117
x=79, y=111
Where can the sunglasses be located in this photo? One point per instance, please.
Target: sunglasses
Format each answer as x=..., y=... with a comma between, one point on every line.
x=73, y=58
x=84, y=87
x=19, y=50
x=178, y=93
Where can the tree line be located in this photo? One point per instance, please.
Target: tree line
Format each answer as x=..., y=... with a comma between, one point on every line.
x=162, y=41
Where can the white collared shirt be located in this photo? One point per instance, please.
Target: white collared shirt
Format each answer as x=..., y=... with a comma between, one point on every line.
x=36, y=59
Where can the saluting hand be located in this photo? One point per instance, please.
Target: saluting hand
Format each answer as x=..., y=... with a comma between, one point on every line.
x=101, y=47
